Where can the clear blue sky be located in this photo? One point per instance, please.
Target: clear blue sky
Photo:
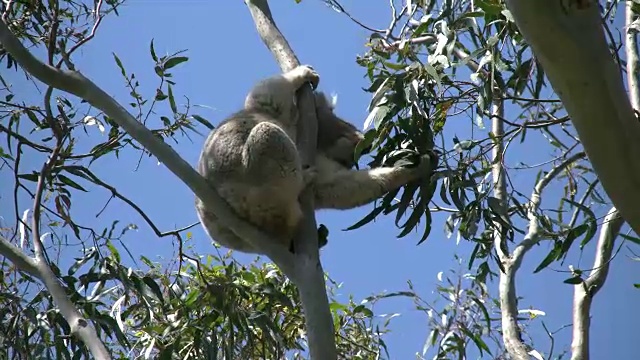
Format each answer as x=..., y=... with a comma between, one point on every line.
x=226, y=58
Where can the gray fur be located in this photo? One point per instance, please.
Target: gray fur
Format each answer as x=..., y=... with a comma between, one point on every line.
x=252, y=161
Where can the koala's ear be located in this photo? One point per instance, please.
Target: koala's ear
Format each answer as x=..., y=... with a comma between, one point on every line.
x=322, y=102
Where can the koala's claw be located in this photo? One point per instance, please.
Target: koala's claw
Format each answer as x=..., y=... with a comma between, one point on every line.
x=306, y=73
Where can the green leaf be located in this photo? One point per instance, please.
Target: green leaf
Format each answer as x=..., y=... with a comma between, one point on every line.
x=32, y=116
x=203, y=121
x=405, y=200
x=633, y=239
x=172, y=101
x=416, y=214
x=65, y=180
x=553, y=255
x=574, y=280
x=154, y=287
x=573, y=234
x=119, y=63
x=5, y=155
x=591, y=221
x=78, y=171
x=175, y=61
x=367, y=219
x=476, y=339
x=114, y=252
x=153, y=52
x=30, y=177
x=361, y=309
x=369, y=137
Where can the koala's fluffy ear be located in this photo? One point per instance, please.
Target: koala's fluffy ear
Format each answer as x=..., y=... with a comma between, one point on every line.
x=323, y=103
x=337, y=138
x=330, y=126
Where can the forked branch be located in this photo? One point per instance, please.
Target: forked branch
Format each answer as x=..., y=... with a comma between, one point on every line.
x=511, y=263
x=584, y=292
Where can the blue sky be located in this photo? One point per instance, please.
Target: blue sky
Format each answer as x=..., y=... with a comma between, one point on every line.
x=226, y=58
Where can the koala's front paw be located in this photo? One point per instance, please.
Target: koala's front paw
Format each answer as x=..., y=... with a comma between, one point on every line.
x=306, y=73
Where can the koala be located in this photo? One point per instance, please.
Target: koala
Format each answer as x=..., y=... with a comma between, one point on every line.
x=252, y=161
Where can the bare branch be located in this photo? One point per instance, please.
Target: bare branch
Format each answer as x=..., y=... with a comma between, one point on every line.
x=511, y=264
x=98, y=20
x=497, y=170
x=307, y=272
x=339, y=8
x=631, y=48
x=510, y=331
x=583, y=293
x=78, y=324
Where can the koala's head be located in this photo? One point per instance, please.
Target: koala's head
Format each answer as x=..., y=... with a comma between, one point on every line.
x=337, y=139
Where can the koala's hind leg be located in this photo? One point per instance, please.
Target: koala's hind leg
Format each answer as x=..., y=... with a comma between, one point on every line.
x=276, y=95
x=347, y=189
x=271, y=162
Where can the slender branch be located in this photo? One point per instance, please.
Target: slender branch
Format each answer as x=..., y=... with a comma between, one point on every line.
x=497, y=170
x=7, y=9
x=78, y=324
x=511, y=264
x=631, y=48
x=98, y=20
x=38, y=147
x=307, y=272
x=115, y=193
x=583, y=293
x=532, y=236
x=75, y=83
x=510, y=331
x=339, y=8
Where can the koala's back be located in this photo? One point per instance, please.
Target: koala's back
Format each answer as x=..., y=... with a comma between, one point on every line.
x=222, y=151
x=253, y=164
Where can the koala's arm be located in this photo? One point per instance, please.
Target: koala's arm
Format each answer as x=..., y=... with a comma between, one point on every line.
x=346, y=189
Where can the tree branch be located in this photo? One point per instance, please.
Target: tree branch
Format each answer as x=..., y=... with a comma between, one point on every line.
x=18, y=258
x=511, y=264
x=631, y=49
x=583, y=293
x=79, y=326
x=307, y=272
x=562, y=34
